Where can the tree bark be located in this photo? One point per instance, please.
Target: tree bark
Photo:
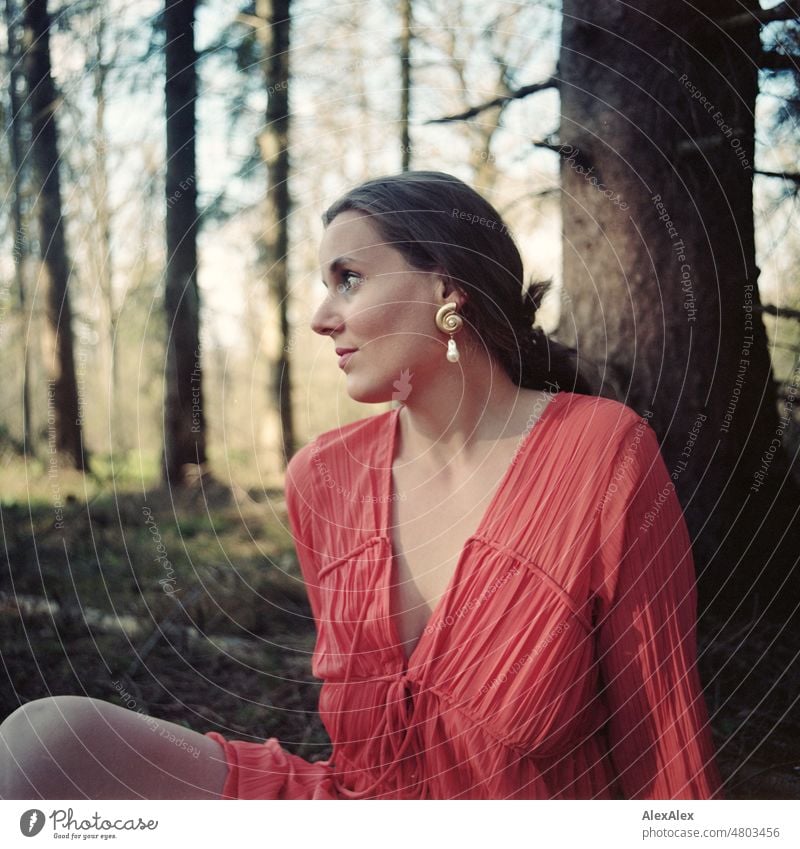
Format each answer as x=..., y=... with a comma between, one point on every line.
x=66, y=415
x=21, y=250
x=657, y=140
x=274, y=36
x=405, y=84
x=184, y=417
x=102, y=205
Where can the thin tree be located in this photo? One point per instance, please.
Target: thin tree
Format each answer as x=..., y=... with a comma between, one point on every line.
x=101, y=201
x=184, y=418
x=406, y=19
x=21, y=249
x=273, y=30
x=43, y=105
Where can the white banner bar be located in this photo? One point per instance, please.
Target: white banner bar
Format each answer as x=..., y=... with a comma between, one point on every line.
x=403, y=825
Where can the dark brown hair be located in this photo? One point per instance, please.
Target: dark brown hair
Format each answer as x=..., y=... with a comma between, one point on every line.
x=438, y=222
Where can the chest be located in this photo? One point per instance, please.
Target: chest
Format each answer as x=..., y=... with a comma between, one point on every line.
x=431, y=522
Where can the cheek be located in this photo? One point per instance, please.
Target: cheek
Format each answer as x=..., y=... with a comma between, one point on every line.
x=397, y=338
x=396, y=324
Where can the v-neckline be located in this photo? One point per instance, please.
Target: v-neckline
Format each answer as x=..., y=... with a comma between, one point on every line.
x=386, y=496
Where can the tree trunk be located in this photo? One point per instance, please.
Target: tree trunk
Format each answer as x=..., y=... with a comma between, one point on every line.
x=21, y=250
x=405, y=83
x=65, y=413
x=102, y=205
x=184, y=419
x=657, y=139
x=274, y=142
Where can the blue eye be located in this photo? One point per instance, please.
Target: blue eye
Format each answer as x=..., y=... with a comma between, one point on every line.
x=349, y=282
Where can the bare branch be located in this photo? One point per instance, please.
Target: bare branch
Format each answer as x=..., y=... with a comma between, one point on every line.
x=250, y=20
x=548, y=145
x=791, y=176
x=551, y=191
x=781, y=12
x=703, y=143
x=781, y=312
x=524, y=91
x=772, y=60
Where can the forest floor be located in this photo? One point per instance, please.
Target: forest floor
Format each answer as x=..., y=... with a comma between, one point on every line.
x=192, y=609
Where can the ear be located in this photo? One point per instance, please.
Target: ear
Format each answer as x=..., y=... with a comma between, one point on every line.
x=449, y=292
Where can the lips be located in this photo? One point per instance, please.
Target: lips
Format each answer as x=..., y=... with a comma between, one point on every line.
x=344, y=355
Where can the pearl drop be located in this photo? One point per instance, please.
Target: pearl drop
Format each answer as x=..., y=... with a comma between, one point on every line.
x=452, y=351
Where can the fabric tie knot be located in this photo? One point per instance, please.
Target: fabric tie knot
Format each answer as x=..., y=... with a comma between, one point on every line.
x=397, y=743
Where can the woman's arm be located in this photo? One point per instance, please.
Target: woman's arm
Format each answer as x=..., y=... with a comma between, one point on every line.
x=659, y=736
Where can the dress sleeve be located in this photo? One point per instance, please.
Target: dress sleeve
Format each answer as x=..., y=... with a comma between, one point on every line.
x=297, y=488
x=658, y=730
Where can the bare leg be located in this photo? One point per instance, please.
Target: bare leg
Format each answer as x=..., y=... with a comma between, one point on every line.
x=71, y=747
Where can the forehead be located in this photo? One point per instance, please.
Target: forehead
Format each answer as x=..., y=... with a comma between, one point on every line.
x=351, y=234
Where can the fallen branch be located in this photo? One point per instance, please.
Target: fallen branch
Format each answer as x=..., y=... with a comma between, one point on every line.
x=162, y=627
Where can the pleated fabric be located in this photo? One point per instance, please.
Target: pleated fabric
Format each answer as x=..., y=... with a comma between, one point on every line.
x=560, y=663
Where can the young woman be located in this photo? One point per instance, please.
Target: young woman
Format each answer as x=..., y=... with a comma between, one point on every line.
x=498, y=568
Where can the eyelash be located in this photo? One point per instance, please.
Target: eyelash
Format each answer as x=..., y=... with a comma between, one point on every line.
x=343, y=285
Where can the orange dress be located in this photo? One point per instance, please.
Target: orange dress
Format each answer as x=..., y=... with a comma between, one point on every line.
x=558, y=664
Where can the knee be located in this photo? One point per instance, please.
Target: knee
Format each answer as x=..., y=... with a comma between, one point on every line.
x=43, y=718
x=34, y=738
x=30, y=714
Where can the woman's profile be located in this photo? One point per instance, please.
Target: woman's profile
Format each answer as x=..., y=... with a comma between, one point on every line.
x=504, y=595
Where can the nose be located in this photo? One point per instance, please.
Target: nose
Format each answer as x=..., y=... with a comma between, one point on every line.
x=326, y=320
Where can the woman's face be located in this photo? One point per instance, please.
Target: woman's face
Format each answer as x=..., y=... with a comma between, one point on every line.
x=379, y=308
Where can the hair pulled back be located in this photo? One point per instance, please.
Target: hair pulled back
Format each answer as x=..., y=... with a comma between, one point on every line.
x=439, y=223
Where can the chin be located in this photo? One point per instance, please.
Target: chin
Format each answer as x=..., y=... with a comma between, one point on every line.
x=369, y=393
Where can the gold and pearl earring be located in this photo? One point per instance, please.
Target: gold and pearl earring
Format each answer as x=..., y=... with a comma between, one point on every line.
x=449, y=321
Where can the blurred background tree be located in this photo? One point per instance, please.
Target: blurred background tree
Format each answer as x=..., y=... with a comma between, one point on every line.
x=184, y=414
x=64, y=413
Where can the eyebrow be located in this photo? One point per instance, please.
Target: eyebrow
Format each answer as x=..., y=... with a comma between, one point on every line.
x=341, y=261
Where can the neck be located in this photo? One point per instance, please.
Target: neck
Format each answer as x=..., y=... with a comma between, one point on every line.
x=451, y=416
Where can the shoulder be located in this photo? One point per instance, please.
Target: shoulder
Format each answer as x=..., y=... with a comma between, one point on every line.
x=601, y=411
x=623, y=450
x=333, y=481
x=355, y=443
x=607, y=423
x=604, y=444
